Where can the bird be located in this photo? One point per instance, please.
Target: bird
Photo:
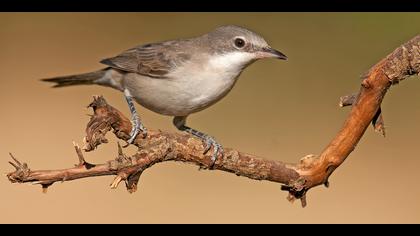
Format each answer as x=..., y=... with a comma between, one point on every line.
x=179, y=77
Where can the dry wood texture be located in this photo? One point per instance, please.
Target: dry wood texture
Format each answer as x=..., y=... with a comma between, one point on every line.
x=297, y=179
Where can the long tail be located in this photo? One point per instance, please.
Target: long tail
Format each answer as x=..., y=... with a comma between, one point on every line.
x=80, y=79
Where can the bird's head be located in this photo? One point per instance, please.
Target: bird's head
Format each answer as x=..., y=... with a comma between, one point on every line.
x=241, y=45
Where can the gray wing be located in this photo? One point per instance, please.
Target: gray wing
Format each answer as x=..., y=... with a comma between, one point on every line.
x=153, y=60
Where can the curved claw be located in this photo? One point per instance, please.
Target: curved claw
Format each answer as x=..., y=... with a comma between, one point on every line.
x=217, y=148
x=137, y=128
x=208, y=144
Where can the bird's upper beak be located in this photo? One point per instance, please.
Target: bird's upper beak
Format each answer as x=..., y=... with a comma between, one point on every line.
x=269, y=52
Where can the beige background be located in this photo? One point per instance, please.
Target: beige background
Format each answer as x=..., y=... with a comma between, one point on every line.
x=279, y=110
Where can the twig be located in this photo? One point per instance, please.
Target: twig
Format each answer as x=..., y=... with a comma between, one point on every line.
x=160, y=146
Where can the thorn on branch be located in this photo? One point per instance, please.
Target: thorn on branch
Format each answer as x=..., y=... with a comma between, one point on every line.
x=82, y=161
x=131, y=176
x=14, y=165
x=16, y=160
x=290, y=196
x=45, y=187
x=297, y=190
x=21, y=172
x=98, y=101
x=133, y=181
x=378, y=122
x=120, y=152
x=303, y=200
x=347, y=100
x=79, y=154
x=116, y=182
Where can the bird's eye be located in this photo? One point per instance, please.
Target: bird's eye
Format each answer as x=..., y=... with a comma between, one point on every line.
x=239, y=43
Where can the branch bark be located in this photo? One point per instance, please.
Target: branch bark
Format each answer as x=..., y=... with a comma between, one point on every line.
x=297, y=179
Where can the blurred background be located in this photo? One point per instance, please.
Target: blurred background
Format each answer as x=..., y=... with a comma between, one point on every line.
x=281, y=110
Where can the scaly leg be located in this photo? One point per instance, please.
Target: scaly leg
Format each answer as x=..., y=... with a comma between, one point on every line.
x=137, y=125
x=179, y=122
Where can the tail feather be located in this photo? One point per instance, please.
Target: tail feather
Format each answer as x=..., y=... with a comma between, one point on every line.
x=80, y=79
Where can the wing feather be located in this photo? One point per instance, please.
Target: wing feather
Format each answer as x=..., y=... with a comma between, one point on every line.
x=154, y=60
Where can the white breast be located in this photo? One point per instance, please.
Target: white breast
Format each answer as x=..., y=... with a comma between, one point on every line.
x=212, y=81
x=192, y=87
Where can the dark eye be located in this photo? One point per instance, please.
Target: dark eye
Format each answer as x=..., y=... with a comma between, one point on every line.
x=239, y=43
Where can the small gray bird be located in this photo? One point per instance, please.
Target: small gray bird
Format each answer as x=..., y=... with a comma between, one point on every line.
x=179, y=77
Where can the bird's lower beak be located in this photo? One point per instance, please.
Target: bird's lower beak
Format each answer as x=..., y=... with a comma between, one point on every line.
x=269, y=52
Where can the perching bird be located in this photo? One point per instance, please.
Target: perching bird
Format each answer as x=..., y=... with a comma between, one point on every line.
x=179, y=77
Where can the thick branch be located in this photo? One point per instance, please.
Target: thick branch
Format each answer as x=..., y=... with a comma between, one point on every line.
x=160, y=146
x=377, y=120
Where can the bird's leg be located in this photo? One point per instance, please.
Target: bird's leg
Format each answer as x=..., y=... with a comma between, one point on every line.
x=137, y=125
x=179, y=122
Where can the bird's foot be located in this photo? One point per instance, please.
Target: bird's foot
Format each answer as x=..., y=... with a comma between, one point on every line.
x=217, y=148
x=138, y=128
x=135, y=120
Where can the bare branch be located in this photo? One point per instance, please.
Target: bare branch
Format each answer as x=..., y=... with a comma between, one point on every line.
x=377, y=121
x=297, y=179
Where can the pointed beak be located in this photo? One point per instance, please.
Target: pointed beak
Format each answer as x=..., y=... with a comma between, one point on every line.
x=269, y=52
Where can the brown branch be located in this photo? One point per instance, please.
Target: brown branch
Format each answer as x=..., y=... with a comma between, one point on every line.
x=377, y=121
x=160, y=146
